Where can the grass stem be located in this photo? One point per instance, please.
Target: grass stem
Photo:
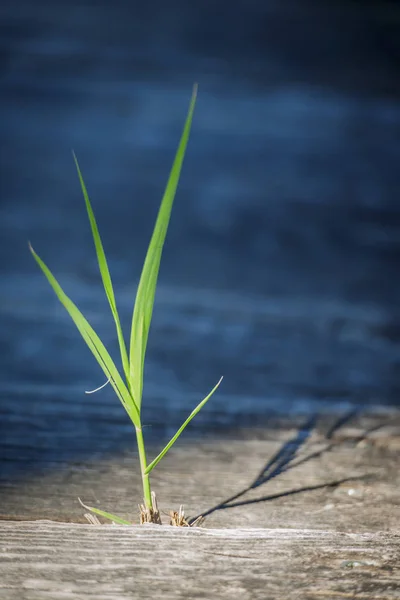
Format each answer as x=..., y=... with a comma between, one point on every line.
x=143, y=467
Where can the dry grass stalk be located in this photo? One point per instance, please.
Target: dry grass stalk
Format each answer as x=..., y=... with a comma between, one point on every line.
x=177, y=518
x=150, y=515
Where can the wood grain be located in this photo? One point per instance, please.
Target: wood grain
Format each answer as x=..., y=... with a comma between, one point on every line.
x=60, y=561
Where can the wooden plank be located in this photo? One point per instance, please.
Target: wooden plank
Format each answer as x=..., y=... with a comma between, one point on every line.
x=321, y=522
x=347, y=480
x=70, y=561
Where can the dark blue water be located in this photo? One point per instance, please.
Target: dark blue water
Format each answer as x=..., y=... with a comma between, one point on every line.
x=280, y=270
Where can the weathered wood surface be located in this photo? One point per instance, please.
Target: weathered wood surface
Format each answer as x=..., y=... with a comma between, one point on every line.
x=68, y=561
x=306, y=512
x=345, y=474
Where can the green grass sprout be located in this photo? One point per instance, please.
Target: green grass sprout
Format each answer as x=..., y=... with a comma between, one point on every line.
x=128, y=386
x=106, y=515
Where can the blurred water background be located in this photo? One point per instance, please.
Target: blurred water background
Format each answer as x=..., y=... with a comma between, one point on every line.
x=281, y=268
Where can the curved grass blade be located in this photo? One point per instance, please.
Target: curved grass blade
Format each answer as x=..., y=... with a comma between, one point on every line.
x=104, y=271
x=104, y=514
x=94, y=343
x=172, y=441
x=147, y=285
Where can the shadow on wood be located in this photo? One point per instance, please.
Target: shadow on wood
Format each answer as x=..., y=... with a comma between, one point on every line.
x=284, y=460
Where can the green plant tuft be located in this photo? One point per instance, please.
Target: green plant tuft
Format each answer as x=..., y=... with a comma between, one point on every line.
x=128, y=386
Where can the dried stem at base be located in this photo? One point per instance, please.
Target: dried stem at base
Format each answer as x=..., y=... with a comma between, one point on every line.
x=150, y=515
x=92, y=519
x=176, y=518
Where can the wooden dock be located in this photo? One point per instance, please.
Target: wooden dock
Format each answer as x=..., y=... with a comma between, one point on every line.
x=300, y=512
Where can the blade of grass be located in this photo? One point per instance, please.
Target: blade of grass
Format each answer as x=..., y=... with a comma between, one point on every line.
x=172, y=441
x=104, y=514
x=143, y=309
x=130, y=394
x=94, y=343
x=105, y=273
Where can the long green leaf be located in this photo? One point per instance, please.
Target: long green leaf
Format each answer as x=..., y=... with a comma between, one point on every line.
x=105, y=273
x=172, y=441
x=148, y=281
x=94, y=343
x=105, y=514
